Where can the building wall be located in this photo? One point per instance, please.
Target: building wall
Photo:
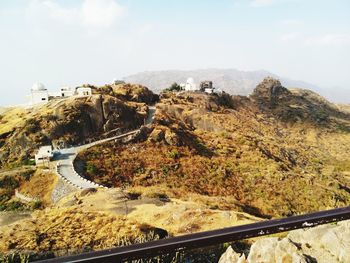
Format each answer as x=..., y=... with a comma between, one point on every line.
x=44, y=155
x=190, y=87
x=67, y=92
x=39, y=160
x=209, y=90
x=84, y=91
x=40, y=96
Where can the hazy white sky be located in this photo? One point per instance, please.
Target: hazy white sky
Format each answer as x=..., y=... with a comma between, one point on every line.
x=70, y=42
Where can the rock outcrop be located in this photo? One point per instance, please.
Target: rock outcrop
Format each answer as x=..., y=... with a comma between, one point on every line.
x=269, y=92
x=130, y=92
x=297, y=105
x=322, y=244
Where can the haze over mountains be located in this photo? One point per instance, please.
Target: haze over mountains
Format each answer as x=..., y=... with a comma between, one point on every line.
x=232, y=81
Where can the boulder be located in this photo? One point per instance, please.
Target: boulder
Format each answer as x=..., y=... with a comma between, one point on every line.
x=328, y=243
x=322, y=244
x=142, y=134
x=171, y=138
x=230, y=256
x=274, y=250
x=156, y=135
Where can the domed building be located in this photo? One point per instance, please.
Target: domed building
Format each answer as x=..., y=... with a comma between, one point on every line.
x=39, y=93
x=190, y=85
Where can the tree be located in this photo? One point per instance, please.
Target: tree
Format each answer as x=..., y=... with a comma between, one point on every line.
x=173, y=87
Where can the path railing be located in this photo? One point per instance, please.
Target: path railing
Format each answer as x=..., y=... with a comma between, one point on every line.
x=208, y=238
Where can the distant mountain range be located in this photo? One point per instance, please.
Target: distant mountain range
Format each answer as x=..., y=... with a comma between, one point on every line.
x=232, y=81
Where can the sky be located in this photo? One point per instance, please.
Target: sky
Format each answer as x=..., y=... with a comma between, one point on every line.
x=72, y=42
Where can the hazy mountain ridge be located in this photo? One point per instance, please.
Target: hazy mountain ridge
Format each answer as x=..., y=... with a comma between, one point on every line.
x=233, y=81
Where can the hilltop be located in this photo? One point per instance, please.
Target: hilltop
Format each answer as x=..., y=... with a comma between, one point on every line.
x=232, y=81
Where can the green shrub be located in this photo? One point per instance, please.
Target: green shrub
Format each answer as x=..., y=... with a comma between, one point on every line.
x=174, y=154
x=91, y=169
x=5, y=197
x=173, y=87
x=36, y=205
x=9, y=182
x=165, y=170
x=29, y=162
x=27, y=174
x=12, y=206
x=32, y=125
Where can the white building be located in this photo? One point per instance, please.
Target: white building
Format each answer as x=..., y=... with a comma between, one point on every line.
x=219, y=91
x=83, y=91
x=207, y=87
x=209, y=90
x=191, y=85
x=39, y=94
x=67, y=92
x=44, y=155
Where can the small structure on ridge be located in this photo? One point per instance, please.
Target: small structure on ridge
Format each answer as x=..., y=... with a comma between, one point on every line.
x=44, y=155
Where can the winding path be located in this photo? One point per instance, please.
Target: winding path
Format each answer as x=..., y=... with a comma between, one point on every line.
x=65, y=167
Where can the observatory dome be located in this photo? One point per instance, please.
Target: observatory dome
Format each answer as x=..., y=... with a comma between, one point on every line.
x=190, y=81
x=38, y=86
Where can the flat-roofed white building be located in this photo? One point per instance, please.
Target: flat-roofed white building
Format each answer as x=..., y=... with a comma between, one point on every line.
x=44, y=155
x=39, y=94
x=209, y=90
x=67, y=92
x=83, y=91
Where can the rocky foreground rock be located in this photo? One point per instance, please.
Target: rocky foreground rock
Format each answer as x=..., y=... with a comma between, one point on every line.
x=322, y=244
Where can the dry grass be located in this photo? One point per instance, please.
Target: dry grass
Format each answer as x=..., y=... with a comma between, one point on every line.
x=183, y=217
x=68, y=228
x=40, y=185
x=270, y=168
x=97, y=220
x=12, y=118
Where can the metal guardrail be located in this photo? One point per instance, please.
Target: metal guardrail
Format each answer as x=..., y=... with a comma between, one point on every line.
x=208, y=238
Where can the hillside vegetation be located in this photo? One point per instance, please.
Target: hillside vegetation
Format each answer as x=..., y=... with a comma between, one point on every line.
x=277, y=153
x=206, y=162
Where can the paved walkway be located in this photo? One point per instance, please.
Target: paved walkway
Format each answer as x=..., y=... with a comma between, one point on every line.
x=65, y=168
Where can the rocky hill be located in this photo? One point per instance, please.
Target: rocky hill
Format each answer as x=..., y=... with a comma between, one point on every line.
x=71, y=121
x=278, y=152
x=232, y=81
x=206, y=161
